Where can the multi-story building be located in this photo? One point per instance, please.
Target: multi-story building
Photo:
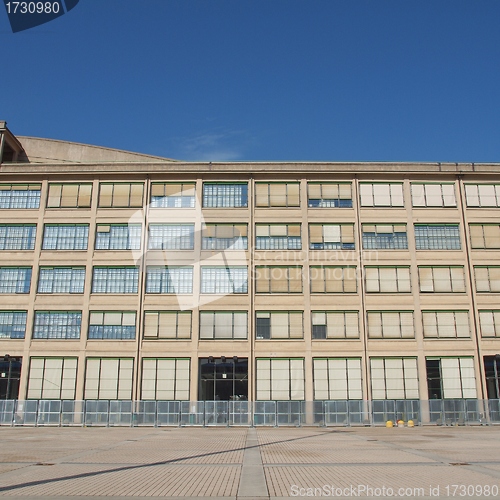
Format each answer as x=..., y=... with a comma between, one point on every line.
x=131, y=277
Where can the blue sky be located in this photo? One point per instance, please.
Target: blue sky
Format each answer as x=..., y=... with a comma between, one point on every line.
x=280, y=80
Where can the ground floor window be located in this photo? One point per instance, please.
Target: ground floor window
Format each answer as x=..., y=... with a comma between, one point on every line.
x=394, y=378
x=280, y=379
x=52, y=378
x=109, y=378
x=451, y=378
x=165, y=379
x=337, y=378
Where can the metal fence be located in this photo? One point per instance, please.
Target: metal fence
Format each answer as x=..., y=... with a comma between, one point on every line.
x=109, y=413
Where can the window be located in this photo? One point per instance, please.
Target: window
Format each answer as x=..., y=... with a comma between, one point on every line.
x=169, y=279
x=335, y=325
x=446, y=324
x=387, y=279
x=20, y=196
x=223, y=325
x=171, y=237
x=442, y=279
x=381, y=194
x=61, y=280
x=109, y=378
x=65, y=237
x=433, y=195
x=492, y=375
x=224, y=195
x=278, y=279
x=390, y=325
x=115, y=280
x=277, y=237
x=337, y=378
x=167, y=325
x=17, y=236
x=69, y=195
x=485, y=236
x=331, y=236
x=394, y=378
x=280, y=379
x=52, y=378
x=224, y=280
x=225, y=237
x=279, y=325
x=451, y=378
x=13, y=324
x=165, y=379
x=57, y=324
x=384, y=237
x=15, y=279
x=490, y=323
x=437, y=237
x=487, y=278
x=120, y=195
x=173, y=195
x=329, y=195
x=333, y=279
x=482, y=195
x=277, y=194
x=118, y=237
x=112, y=325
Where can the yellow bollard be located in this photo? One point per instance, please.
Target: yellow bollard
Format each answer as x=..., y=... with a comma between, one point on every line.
x=389, y=424
x=411, y=423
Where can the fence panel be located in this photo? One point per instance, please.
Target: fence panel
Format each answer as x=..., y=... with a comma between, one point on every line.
x=494, y=410
x=239, y=413
x=49, y=412
x=72, y=412
x=96, y=412
x=216, y=413
x=264, y=413
x=145, y=413
x=192, y=413
x=120, y=413
x=168, y=413
x=7, y=411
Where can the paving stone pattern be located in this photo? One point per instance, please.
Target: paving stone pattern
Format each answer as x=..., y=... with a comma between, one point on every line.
x=244, y=463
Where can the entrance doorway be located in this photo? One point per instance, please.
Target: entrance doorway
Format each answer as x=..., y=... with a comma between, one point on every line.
x=10, y=374
x=223, y=379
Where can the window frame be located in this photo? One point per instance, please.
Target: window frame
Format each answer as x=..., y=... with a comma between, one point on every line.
x=380, y=238
x=243, y=196
x=59, y=239
x=26, y=241
x=104, y=324
x=213, y=325
x=73, y=322
x=259, y=281
x=444, y=241
x=325, y=202
x=158, y=323
x=78, y=204
x=52, y=281
x=288, y=203
x=112, y=195
x=345, y=233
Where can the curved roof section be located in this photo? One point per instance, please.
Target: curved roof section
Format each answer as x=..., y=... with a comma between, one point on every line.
x=38, y=150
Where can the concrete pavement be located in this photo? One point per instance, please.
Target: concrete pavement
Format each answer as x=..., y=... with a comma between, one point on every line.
x=423, y=462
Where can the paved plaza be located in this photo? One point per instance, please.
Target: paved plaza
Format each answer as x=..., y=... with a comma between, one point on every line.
x=171, y=462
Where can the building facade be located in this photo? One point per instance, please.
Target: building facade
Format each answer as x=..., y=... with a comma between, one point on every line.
x=130, y=277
